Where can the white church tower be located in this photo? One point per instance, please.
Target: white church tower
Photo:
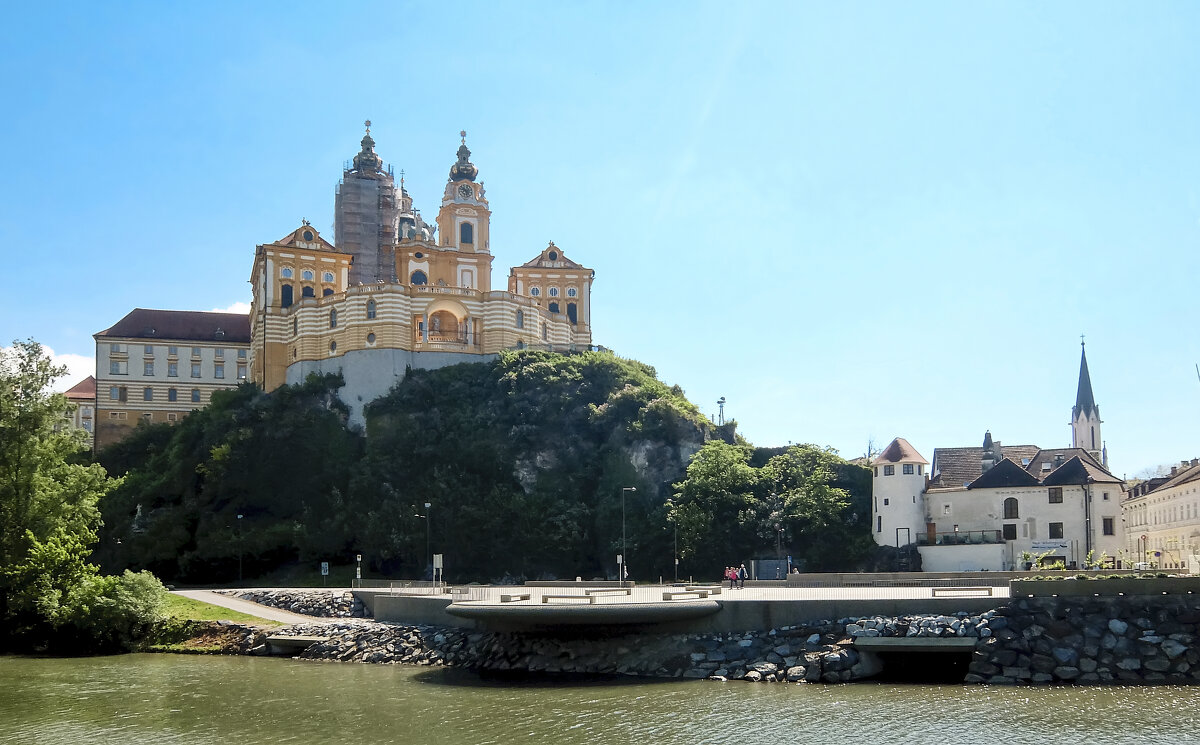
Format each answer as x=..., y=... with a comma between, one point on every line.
x=1085, y=416
x=897, y=486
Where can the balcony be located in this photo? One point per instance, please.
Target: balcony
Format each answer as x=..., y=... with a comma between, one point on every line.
x=961, y=538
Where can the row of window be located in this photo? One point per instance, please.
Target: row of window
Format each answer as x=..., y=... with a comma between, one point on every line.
x=891, y=470
x=308, y=275
x=148, y=350
x=121, y=367
x=120, y=393
x=1055, y=530
x=147, y=416
x=572, y=314
x=536, y=291
x=287, y=294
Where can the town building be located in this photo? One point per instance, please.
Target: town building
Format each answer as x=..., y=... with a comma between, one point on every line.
x=418, y=297
x=158, y=365
x=82, y=416
x=1162, y=519
x=997, y=507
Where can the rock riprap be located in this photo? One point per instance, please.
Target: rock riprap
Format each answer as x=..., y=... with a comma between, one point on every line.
x=319, y=603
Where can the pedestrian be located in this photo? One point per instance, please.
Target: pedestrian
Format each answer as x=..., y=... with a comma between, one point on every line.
x=741, y=574
x=729, y=576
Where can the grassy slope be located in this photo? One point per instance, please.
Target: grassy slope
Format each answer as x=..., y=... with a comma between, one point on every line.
x=189, y=626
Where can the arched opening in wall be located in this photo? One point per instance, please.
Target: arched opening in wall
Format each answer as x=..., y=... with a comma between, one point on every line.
x=520, y=319
x=572, y=313
x=554, y=308
x=1093, y=438
x=285, y=296
x=444, y=327
x=1011, y=509
x=326, y=292
x=307, y=292
x=418, y=278
x=370, y=309
x=466, y=233
x=333, y=318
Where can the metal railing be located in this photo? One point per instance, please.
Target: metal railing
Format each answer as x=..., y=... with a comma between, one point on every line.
x=961, y=538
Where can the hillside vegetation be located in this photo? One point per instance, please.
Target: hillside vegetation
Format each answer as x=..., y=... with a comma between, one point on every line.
x=522, y=459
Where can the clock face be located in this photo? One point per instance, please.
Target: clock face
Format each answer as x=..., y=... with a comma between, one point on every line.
x=465, y=191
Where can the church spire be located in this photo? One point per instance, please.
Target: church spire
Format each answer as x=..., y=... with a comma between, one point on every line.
x=1085, y=402
x=463, y=169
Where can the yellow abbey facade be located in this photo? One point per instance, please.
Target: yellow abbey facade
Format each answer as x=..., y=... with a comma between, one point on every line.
x=425, y=301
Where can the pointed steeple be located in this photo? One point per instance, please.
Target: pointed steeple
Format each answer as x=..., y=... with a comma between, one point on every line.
x=1085, y=402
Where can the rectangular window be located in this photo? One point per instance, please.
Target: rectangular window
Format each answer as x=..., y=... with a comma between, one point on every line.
x=114, y=348
x=195, y=395
x=146, y=415
x=1056, y=530
x=219, y=370
x=171, y=416
x=908, y=468
x=172, y=369
x=114, y=394
x=1104, y=496
x=195, y=351
x=148, y=368
x=889, y=470
x=241, y=371
x=118, y=367
x=918, y=469
x=220, y=354
x=148, y=349
x=173, y=351
x=1010, y=531
x=241, y=354
x=172, y=395
x=878, y=526
x=945, y=509
x=1056, y=495
x=1109, y=528
x=195, y=369
x=886, y=502
x=876, y=470
x=147, y=394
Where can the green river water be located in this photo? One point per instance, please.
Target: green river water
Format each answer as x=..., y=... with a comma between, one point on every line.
x=147, y=698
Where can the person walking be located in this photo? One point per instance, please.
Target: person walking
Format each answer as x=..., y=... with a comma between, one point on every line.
x=741, y=575
x=729, y=575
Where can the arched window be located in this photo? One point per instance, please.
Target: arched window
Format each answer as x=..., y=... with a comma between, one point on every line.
x=418, y=278
x=466, y=233
x=295, y=326
x=1011, y=511
x=545, y=333
x=572, y=292
x=327, y=277
x=520, y=319
x=333, y=318
x=286, y=272
x=535, y=291
x=370, y=309
x=553, y=292
x=554, y=308
x=326, y=292
x=520, y=345
x=285, y=296
x=572, y=313
x=307, y=275
x=307, y=292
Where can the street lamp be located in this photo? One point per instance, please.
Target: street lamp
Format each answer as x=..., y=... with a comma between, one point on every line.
x=428, y=532
x=240, y=551
x=624, y=549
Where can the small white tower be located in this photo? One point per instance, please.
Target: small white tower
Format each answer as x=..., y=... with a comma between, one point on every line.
x=1085, y=415
x=897, y=487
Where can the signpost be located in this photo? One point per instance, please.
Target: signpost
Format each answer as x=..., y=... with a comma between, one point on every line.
x=324, y=572
x=438, y=567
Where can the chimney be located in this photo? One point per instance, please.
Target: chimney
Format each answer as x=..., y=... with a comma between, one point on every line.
x=1174, y=469
x=1196, y=461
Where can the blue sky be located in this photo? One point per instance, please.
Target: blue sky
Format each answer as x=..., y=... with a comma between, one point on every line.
x=854, y=221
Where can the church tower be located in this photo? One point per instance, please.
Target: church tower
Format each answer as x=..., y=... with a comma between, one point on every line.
x=463, y=222
x=1085, y=415
x=365, y=216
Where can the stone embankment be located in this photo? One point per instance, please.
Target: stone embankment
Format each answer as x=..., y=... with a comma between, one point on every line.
x=1123, y=640
x=320, y=603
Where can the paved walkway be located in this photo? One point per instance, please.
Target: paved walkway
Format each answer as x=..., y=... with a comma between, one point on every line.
x=254, y=609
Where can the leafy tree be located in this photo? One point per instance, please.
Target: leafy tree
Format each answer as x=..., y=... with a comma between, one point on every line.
x=49, y=521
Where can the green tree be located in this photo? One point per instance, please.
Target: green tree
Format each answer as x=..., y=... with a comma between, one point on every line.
x=49, y=520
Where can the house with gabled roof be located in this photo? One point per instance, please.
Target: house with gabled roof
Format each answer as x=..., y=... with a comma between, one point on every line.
x=990, y=507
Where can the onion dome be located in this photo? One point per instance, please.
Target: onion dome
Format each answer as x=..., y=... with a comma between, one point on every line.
x=464, y=169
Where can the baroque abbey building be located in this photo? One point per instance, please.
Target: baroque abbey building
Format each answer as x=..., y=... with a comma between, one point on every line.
x=394, y=292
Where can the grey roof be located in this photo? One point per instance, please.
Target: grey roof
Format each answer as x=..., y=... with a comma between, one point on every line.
x=954, y=467
x=181, y=325
x=1005, y=473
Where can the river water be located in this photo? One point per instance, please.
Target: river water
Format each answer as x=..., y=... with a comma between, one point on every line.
x=146, y=698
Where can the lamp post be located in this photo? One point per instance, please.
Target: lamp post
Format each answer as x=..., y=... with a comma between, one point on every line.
x=240, y=551
x=428, y=532
x=624, y=550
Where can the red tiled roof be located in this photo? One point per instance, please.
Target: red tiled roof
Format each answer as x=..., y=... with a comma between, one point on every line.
x=181, y=325
x=85, y=388
x=899, y=450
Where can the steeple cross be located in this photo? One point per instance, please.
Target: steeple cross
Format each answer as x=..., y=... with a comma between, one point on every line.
x=463, y=134
x=1081, y=340
x=368, y=125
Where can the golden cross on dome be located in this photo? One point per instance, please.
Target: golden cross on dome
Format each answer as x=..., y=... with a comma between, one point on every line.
x=463, y=134
x=368, y=125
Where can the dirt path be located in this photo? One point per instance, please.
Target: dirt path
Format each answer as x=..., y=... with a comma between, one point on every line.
x=254, y=609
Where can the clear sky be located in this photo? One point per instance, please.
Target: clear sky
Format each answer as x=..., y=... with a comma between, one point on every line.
x=852, y=220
